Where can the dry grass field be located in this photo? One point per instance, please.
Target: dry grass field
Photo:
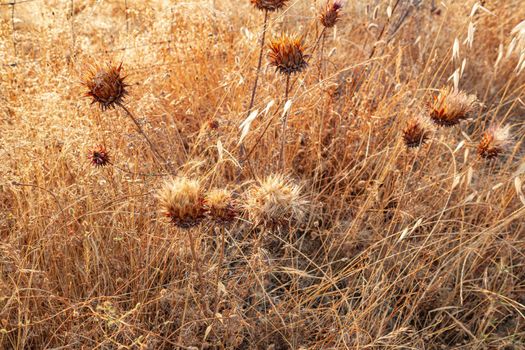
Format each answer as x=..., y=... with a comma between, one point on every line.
x=360, y=188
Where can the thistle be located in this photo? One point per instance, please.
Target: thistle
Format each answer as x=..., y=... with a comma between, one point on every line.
x=181, y=201
x=330, y=13
x=494, y=142
x=269, y=5
x=105, y=85
x=99, y=156
x=288, y=57
x=220, y=206
x=287, y=54
x=450, y=107
x=275, y=201
x=415, y=133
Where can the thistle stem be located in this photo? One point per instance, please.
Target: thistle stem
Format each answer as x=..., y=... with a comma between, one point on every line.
x=259, y=65
x=195, y=258
x=285, y=123
x=321, y=54
x=151, y=145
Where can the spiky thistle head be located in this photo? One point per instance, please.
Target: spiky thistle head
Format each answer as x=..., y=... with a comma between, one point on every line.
x=275, y=201
x=269, y=5
x=220, y=206
x=415, y=133
x=330, y=13
x=494, y=142
x=181, y=201
x=450, y=107
x=287, y=54
x=99, y=156
x=106, y=85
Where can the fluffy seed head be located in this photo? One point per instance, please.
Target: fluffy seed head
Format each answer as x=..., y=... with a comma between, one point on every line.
x=287, y=54
x=450, y=107
x=330, y=13
x=415, y=133
x=269, y=5
x=99, y=156
x=220, y=205
x=275, y=201
x=105, y=85
x=494, y=142
x=181, y=202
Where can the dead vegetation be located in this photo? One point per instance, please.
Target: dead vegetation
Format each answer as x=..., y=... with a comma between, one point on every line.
x=371, y=200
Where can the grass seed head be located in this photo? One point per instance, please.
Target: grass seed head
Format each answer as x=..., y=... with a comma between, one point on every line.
x=275, y=201
x=99, y=156
x=330, y=13
x=494, y=142
x=287, y=54
x=415, y=133
x=181, y=202
x=269, y=5
x=106, y=85
x=220, y=205
x=450, y=107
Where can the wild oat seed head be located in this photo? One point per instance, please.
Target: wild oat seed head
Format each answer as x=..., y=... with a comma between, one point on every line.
x=494, y=142
x=287, y=54
x=275, y=201
x=450, y=107
x=330, y=13
x=105, y=85
x=220, y=206
x=415, y=133
x=181, y=201
x=99, y=156
x=269, y=5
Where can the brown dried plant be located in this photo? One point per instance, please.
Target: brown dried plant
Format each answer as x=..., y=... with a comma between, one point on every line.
x=450, y=107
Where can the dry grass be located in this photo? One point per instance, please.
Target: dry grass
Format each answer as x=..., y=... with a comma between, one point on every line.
x=395, y=247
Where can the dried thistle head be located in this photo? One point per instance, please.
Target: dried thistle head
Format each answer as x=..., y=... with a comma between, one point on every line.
x=330, y=13
x=275, y=201
x=287, y=54
x=106, y=85
x=494, y=142
x=220, y=205
x=415, y=133
x=99, y=156
x=450, y=107
x=181, y=201
x=269, y=5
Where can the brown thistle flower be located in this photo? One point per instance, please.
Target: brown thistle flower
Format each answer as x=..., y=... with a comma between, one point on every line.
x=269, y=5
x=415, y=133
x=181, y=201
x=220, y=206
x=287, y=54
x=450, y=107
x=99, y=156
x=330, y=13
x=494, y=142
x=105, y=85
x=275, y=201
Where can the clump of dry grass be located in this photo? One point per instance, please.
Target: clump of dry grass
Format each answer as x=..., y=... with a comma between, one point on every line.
x=376, y=248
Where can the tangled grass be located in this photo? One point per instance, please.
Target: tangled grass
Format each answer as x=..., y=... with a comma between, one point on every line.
x=372, y=200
